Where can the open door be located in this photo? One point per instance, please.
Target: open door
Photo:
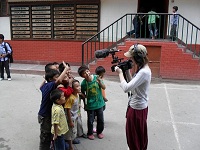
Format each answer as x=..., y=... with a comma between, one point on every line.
x=160, y=6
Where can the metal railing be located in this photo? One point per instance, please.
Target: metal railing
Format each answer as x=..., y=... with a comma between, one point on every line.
x=124, y=28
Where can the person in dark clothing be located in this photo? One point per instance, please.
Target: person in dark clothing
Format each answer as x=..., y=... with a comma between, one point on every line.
x=4, y=60
x=137, y=23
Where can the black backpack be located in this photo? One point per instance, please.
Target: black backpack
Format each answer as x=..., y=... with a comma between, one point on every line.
x=10, y=56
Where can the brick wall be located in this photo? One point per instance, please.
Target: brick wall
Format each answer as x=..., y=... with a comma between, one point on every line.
x=174, y=63
x=47, y=51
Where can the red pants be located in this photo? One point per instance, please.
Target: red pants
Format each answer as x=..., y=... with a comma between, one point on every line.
x=136, y=129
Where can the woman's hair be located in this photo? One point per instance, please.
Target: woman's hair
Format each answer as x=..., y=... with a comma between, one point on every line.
x=82, y=69
x=55, y=94
x=140, y=61
x=99, y=70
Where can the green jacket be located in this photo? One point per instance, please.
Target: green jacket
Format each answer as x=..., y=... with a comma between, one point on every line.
x=152, y=17
x=92, y=90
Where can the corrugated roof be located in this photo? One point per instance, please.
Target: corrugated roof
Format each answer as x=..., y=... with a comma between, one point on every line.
x=33, y=0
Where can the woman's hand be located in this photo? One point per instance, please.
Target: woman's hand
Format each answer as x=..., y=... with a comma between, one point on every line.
x=118, y=70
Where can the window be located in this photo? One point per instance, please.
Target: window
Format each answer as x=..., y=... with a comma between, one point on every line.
x=3, y=8
x=72, y=21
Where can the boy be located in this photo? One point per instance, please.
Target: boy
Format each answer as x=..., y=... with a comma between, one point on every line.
x=100, y=71
x=152, y=15
x=72, y=108
x=91, y=86
x=44, y=114
x=174, y=23
x=58, y=119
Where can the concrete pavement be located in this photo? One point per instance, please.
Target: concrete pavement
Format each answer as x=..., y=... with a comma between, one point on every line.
x=173, y=119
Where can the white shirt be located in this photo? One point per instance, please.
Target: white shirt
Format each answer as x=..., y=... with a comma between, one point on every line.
x=3, y=51
x=139, y=86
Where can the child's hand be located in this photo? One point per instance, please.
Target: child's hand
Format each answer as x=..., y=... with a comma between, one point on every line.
x=65, y=65
x=55, y=137
x=99, y=79
x=71, y=124
x=81, y=95
x=70, y=81
x=60, y=86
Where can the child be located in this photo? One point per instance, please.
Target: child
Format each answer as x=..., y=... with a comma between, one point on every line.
x=100, y=71
x=44, y=114
x=152, y=15
x=48, y=68
x=56, y=65
x=174, y=23
x=69, y=74
x=91, y=86
x=58, y=119
x=72, y=107
x=80, y=132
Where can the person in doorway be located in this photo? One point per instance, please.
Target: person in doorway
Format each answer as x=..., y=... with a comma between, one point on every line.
x=4, y=60
x=152, y=15
x=174, y=23
x=138, y=85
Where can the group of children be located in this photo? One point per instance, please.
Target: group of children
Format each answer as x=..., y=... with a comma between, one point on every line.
x=60, y=110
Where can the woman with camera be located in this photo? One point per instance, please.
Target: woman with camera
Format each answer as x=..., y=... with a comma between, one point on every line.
x=138, y=85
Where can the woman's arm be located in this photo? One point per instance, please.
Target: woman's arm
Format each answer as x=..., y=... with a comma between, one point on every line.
x=135, y=82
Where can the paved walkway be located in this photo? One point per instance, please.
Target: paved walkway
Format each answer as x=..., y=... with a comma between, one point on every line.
x=173, y=119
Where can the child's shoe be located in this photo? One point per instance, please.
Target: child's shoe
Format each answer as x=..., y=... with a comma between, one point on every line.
x=100, y=136
x=76, y=141
x=91, y=137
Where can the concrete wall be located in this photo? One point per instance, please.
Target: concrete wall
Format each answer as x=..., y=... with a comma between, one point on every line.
x=5, y=27
x=111, y=10
x=189, y=10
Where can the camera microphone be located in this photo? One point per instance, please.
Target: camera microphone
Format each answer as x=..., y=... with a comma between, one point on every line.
x=102, y=53
x=105, y=52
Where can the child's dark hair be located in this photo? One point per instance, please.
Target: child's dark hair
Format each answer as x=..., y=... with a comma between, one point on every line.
x=55, y=94
x=55, y=63
x=74, y=81
x=2, y=37
x=62, y=67
x=81, y=69
x=175, y=8
x=48, y=67
x=50, y=74
x=99, y=70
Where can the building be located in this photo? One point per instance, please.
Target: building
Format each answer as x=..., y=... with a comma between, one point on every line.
x=53, y=30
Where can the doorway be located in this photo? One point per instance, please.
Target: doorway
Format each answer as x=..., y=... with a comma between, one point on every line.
x=160, y=6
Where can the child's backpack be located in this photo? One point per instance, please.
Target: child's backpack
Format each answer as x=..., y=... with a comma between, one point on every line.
x=10, y=56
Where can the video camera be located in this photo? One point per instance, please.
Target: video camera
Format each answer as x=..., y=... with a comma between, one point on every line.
x=125, y=65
